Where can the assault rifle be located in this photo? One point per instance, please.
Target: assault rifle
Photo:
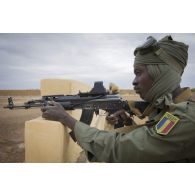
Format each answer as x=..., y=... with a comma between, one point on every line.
x=90, y=102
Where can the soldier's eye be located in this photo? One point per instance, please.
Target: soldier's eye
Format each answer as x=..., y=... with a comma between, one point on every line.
x=137, y=72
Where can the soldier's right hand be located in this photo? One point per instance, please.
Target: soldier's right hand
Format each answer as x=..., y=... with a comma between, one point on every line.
x=119, y=115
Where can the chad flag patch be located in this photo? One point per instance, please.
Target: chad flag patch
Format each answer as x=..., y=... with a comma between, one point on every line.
x=166, y=123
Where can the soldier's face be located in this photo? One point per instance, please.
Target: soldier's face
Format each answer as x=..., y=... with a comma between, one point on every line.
x=142, y=82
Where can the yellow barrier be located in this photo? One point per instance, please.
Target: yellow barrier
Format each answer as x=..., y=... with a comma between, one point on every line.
x=49, y=141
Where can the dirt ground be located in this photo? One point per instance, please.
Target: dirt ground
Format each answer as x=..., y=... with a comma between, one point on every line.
x=12, y=129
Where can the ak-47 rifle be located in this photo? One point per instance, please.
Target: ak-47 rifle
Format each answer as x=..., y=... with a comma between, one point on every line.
x=90, y=102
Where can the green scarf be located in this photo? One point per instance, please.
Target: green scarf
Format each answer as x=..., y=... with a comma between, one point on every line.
x=165, y=75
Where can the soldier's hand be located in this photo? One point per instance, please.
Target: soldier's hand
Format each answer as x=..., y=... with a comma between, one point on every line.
x=54, y=111
x=113, y=119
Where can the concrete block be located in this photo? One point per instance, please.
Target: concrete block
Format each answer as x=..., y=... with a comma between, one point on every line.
x=62, y=87
x=49, y=141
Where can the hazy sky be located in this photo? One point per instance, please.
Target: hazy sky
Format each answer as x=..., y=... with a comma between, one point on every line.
x=25, y=59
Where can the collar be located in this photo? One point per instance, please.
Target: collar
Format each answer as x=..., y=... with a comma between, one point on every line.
x=184, y=95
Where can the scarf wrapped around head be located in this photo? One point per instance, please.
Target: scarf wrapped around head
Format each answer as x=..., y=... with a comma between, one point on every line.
x=165, y=60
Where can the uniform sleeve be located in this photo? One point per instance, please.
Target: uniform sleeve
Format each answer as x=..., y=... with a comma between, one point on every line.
x=140, y=145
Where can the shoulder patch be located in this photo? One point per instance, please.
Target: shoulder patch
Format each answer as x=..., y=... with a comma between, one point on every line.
x=166, y=123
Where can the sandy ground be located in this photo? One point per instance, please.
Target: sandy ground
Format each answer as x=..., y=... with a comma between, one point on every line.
x=12, y=129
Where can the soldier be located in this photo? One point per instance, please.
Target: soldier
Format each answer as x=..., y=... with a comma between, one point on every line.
x=169, y=133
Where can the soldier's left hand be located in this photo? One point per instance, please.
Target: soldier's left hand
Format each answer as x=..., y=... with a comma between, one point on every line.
x=54, y=111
